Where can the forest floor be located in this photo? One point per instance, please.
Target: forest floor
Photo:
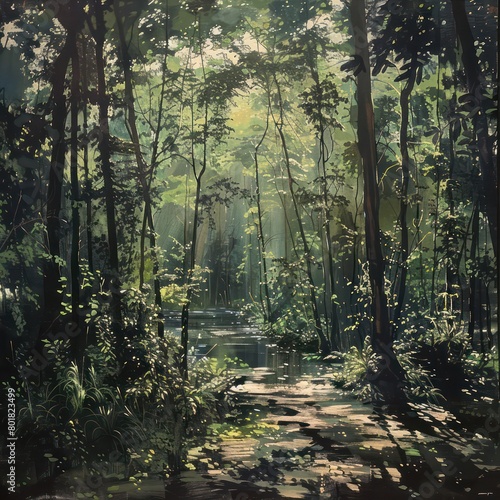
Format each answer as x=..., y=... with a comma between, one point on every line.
x=323, y=444
x=309, y=440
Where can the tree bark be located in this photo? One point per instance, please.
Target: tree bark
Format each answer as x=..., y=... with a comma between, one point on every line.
x=403, y=204
x=263, y=282
x=190, y=272
x=78, y=343
x=328, y=270
x=52, y=295
x=487, y=161
x=113, y=281
x=88, y=184
x=142, y=167
x=198, y=175
x=387, y=377
x=324, y=344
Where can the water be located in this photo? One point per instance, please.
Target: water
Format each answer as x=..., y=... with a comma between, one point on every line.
x=221, y=333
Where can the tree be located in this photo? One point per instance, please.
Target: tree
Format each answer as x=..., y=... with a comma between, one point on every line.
x=206, y=131
x=479, y=106
x=264, y=294
x=71, y=18
x=320, y=103
x=409, y=33
x=79, y=340
x=113, y=280
x=145, y=172
x=388, y=375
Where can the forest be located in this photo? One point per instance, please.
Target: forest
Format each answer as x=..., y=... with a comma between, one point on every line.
x=248, y=249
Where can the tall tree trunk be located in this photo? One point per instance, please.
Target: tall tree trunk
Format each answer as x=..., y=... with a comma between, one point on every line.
x=154, y=164
x=487, y=162
x=263, y=282
x=328, y=270
x=474, y=281
x=453, y=261
x=88, y=182
x=404, y=101
x=387, y=377
x=113, y=281
x=131, y=124
x=52, y=296
x=142, y=167
x=432, y=305
x=190, y=275
x=78, y=343
x=191, y=262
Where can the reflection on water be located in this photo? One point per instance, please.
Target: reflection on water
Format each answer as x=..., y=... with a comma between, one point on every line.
x=221, y=333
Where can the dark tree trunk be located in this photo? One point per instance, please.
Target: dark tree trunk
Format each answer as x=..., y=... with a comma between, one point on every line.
x=265, y=298
x=78, y=342
x=52, y=296
x=487, y=161
x=324, y=344
x=404, y=101
x=142, y=168
x=454, y=255
x=88, y=185
x=473, y=284
x=328, y=270
x=190, y=273
x=113, y=280
x=190, y=262
x=386, y=379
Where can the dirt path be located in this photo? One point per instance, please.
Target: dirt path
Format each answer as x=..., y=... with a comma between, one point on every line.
x=322, y=444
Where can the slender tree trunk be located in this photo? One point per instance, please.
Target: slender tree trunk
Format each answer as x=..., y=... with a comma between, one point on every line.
x=386, y=379
x=113, y=281
x=51, y=286
x=484, y=141
x=88, y=184
x=330, y=278
x=154, y=164
x=263, y=284
x=194, y=234
x=190, y=273
x=142, y=167
x=422, y=292
x=404, y=101
x=355, y=268
x=453, y=261
x=324, y=344
x=435, y=242
x=78, y=343
x=328, y=271
x=489, y=333
x=473, y=285
x=131, y=124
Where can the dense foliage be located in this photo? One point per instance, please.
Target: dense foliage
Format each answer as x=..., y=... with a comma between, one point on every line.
x=328, y=167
